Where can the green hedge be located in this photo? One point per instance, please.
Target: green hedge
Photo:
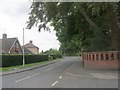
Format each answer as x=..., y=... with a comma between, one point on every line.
x=56, y=56
x=14, y=60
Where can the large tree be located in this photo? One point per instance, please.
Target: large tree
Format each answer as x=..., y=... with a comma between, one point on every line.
x=88, y=26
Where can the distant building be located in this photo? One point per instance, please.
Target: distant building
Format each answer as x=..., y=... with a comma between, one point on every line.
x=10, y=45
x=34, y=49
x=27, y=51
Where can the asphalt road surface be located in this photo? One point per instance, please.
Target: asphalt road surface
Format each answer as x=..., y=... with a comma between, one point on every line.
x=54, y=76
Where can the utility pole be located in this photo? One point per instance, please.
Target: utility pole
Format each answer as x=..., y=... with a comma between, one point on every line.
x=23, y=50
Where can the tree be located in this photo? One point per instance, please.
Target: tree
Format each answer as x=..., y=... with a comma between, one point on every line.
x=79, y=25
x=52, y=52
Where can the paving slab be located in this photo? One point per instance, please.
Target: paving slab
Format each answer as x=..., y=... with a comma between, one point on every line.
x=77, y=70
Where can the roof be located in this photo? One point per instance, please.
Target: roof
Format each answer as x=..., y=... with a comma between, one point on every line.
x=30, y=45
x=27, y=51
x=10, y=42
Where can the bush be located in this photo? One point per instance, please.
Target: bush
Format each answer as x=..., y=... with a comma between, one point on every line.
x=56, y=56
x=14, y=60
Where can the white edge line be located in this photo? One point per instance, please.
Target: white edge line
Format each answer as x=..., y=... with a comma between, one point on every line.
x=49, y=69
x=27, y=77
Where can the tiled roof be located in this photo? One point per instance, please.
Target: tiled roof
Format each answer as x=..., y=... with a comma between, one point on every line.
x=30, y=45
x=27, y=51
x=10, y=42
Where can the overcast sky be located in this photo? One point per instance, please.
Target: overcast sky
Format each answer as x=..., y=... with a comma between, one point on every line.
x=13, y=16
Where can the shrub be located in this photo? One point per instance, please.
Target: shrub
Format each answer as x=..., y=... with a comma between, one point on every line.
x=14, y=60
x=56, y=56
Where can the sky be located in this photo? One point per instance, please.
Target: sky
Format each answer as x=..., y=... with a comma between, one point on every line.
x=13, y=16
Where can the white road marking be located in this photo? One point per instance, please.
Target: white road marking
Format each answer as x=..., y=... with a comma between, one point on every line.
x=54, y=83
x=60, y=77
x=27, y=77
x=49, y=69
x=52, y=67
x=37, y=74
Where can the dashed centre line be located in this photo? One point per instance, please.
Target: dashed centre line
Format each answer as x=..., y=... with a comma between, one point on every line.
x=52, y=68
x=38, y=74
x=54, y=83
x=60, y=77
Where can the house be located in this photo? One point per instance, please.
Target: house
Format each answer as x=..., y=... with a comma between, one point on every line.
x=27, y=51
x=10, y=45
x=31, y=47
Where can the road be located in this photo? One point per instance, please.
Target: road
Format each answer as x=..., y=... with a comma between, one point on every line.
x=56, y=76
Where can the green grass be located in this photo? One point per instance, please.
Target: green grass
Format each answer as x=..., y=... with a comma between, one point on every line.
x=4, y=69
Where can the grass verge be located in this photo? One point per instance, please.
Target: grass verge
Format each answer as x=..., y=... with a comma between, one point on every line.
x=4, y=69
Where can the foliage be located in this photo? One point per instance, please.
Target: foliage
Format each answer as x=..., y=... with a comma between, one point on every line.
x=51, y=52
x=79, y=26
x=14, y=60
x=4, y=69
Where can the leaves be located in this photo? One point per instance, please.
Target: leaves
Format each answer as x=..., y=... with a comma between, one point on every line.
x=78, y=25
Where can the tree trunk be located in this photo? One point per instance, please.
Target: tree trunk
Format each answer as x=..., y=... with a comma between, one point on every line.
x=112, y=18
x=113, y=24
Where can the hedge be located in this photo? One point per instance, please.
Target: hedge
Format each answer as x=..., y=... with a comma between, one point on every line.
x=14, y=60
x=56, y=56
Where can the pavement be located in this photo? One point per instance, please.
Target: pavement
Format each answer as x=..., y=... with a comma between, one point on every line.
x=66, y=73
x=77, y=70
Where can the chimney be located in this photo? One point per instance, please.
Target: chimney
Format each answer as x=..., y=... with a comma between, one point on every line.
x=4, y=43
x=31, y=41
x=4, y=36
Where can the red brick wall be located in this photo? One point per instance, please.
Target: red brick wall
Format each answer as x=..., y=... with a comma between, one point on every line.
x=16, y=51
x=101, y=60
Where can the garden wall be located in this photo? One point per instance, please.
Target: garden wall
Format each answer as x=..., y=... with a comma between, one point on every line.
x=101, y=60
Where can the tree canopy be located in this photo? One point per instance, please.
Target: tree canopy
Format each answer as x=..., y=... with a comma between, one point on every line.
x=79, y=26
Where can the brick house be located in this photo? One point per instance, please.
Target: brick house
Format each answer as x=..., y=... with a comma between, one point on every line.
x=10, y=45
x=30, y=46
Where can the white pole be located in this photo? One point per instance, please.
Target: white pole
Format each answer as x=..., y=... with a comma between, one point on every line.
x=23, y=50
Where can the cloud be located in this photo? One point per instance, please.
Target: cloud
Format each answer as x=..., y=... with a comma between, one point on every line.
x=14, y=8
x=13, y=16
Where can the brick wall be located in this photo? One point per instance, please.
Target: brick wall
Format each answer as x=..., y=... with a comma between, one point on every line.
x=101, y=60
